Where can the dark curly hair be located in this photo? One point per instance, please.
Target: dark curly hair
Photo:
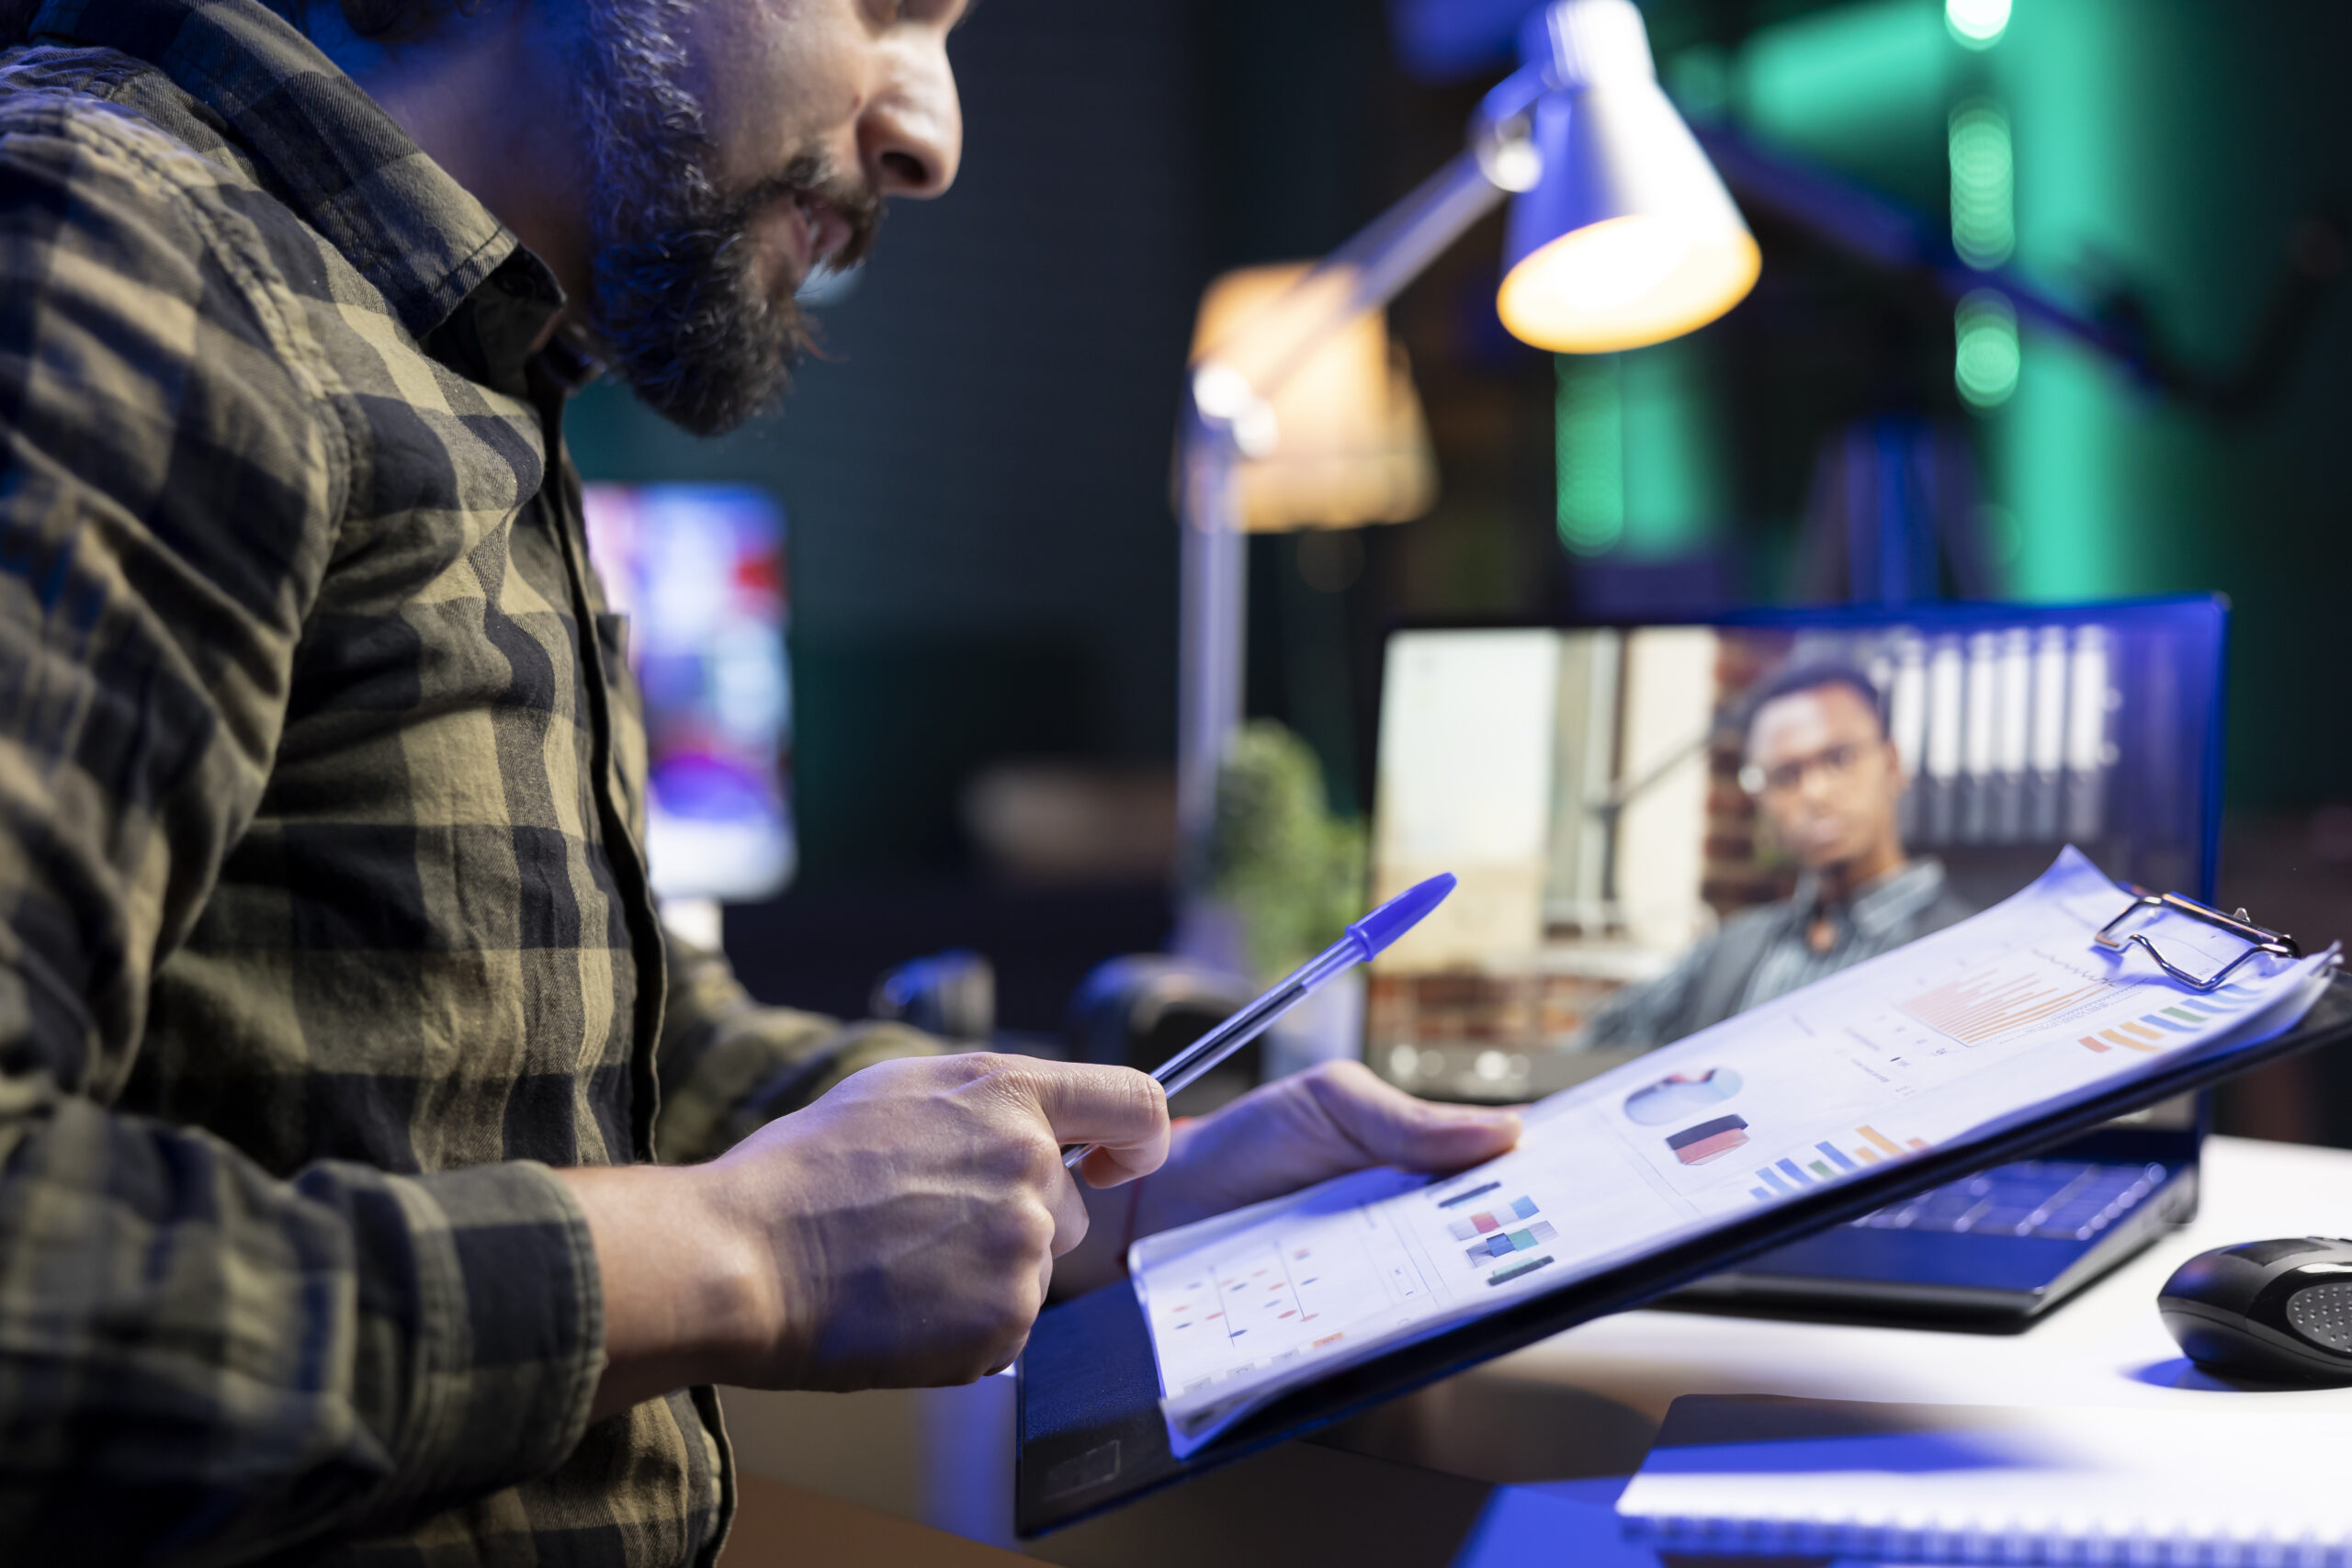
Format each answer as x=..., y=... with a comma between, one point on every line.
x=1813, y=678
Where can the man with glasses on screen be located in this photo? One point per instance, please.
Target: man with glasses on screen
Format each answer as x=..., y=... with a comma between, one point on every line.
x=1830, y=783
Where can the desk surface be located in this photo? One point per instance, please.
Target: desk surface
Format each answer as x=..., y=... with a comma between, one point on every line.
x=1532, y=1447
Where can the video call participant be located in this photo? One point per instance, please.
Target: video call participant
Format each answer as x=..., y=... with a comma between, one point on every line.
x=1829, y=780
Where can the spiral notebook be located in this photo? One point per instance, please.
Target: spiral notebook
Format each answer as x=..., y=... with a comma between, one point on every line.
x=2255, y=1483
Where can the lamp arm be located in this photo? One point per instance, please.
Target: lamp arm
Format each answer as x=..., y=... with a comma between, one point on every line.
x=1508, y=103
x=1228, y=417
x=1254, y=362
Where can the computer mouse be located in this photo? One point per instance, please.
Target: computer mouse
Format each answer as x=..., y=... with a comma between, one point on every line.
x=2280, y=1311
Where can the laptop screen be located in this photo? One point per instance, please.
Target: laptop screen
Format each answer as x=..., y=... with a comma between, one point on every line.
x=1658, y=826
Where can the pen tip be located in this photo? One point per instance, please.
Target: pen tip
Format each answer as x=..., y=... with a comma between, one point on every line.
x=1401, y=914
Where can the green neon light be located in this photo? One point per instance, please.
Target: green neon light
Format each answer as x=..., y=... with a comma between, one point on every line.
x=1983, y=185
x=1588, y=448
x=1977, y=24
x=1819, y=81
x=1985, y=355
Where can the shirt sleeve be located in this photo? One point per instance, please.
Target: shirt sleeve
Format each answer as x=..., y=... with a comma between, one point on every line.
x=198, y=1357
x=728, y=1064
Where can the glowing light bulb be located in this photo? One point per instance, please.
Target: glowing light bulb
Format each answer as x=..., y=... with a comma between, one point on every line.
x=1626, y=283
x=1977, y=24
x=1610, y=265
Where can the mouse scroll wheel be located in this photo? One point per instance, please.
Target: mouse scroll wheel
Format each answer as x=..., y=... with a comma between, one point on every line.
x=2323, y=1314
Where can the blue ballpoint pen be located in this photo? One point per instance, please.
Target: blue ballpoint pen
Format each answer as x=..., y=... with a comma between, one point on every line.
x=1363, y=938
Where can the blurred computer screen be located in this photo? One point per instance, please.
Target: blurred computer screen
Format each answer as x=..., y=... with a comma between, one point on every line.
x=697, y=572
x=1595, y=790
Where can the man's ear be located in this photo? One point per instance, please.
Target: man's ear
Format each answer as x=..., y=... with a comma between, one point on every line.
x=1894, y=768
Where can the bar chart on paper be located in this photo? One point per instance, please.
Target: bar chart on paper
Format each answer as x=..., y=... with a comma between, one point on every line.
x=2152, y=1031
x=1499, y=1231
x=1995, y=1002
x=1826, y=1160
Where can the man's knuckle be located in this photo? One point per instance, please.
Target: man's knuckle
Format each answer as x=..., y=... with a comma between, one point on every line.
x=1027, y=1165
x=1021, y=1233
x=1150, y=1096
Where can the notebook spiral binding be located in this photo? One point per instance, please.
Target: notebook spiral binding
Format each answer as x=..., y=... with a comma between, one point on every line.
x=2053, y=1543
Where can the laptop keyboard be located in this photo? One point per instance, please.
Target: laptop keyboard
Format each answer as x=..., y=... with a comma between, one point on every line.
x=2065, y=1200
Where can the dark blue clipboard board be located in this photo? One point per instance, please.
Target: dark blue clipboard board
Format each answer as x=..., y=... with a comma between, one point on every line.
x=1090, y=1431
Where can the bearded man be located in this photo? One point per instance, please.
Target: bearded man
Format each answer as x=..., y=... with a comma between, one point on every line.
x=376, y=1184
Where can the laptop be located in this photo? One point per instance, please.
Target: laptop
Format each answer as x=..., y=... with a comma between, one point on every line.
x=1653, y=824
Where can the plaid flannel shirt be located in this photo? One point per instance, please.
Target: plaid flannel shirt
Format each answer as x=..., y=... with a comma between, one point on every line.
x=325, y=930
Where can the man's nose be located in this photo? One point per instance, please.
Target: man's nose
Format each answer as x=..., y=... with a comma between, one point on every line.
x=910, y=137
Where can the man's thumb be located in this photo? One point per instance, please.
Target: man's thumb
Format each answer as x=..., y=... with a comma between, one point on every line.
x=1394, y=1128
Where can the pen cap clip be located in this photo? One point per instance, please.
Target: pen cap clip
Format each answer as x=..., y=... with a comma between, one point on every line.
x=1399, y=915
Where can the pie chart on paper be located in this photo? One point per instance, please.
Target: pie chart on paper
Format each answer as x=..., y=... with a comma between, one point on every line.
x=1681, y=1096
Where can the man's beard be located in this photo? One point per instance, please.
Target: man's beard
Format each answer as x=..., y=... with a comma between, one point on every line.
x=679, y=309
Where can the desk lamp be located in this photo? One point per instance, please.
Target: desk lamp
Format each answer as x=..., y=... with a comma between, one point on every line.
x=1620, y=235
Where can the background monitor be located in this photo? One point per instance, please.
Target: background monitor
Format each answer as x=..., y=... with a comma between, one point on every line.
x=1584, y=785
x=698, y=571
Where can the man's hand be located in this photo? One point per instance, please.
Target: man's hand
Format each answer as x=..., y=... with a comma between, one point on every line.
x=901, y=1231
x=1288, y=1135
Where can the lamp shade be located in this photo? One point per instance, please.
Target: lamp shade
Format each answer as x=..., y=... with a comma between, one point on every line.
x=1627, y=238
x=1350, y=444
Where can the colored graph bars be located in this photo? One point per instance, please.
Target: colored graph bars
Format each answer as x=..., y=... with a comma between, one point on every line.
x=1502, y=1244
x=1518, y=1270
x=1784, y=1177
x=2153, y=1032
x=1979, y=1007
x=1460, y=1198
x=1488, y=1220
x=1500, y=1231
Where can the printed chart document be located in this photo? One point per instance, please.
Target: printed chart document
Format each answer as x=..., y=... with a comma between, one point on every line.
x=1977, y=1026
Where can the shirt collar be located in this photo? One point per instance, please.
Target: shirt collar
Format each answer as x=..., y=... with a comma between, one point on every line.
x=1883, y=905
x=333, y=155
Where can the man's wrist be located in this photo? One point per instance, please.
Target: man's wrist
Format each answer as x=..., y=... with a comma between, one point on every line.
x=689, y=1294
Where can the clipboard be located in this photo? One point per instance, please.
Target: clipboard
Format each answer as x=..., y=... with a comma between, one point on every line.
x=1091, y=1436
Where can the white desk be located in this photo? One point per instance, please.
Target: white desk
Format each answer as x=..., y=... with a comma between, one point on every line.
x=1519, y=1460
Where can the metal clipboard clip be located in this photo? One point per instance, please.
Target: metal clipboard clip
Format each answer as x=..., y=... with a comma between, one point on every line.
x=2261, y=941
